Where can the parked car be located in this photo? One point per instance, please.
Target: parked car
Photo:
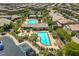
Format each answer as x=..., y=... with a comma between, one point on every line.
x=1, y=46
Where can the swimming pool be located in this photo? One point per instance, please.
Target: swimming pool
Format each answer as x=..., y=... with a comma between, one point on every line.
x=32, y=21
x=44, y=38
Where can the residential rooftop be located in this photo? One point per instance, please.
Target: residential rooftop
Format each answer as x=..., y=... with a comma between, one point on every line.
x=41, y=25
x=11, y=17
x=58, y=17
x=4, y=21
x=74, y=27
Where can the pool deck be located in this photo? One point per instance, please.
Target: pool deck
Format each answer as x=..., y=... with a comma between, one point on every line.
x=51, y=41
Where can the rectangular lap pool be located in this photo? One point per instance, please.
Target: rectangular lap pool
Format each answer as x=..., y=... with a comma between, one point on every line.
x=44, y=39
x=32, y=21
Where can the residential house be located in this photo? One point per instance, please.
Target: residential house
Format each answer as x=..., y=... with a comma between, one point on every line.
x=4, y=21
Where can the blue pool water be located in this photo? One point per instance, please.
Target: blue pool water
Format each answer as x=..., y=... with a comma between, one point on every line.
x=44, y=38
x=32, y=21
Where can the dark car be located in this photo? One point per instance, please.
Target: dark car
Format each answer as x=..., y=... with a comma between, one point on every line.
x=1, y=46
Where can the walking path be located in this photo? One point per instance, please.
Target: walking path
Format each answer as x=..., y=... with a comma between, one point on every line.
x=37, y=51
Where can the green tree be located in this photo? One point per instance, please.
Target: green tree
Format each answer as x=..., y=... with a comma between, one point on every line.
x=45, y=52
x=26, y=37
x=71, y=49
x=50, y=29
x=54, y=35
x=11, y=25
x=73, y=33
x=49, y=21
x=33, y=37
x=60, y=52
x=6, y=27
x=1, y=29
x=20, y=39
x=64, y=34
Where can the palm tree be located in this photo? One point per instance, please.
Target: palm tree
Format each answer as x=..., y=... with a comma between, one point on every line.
x=33, y=37
x=26, y=37
x=20, y=39
x=6, y=27
x=60, y=52
x=45, y=52
x=1, y=29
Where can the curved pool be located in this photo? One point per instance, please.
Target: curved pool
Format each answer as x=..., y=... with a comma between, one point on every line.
x=44, y=39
